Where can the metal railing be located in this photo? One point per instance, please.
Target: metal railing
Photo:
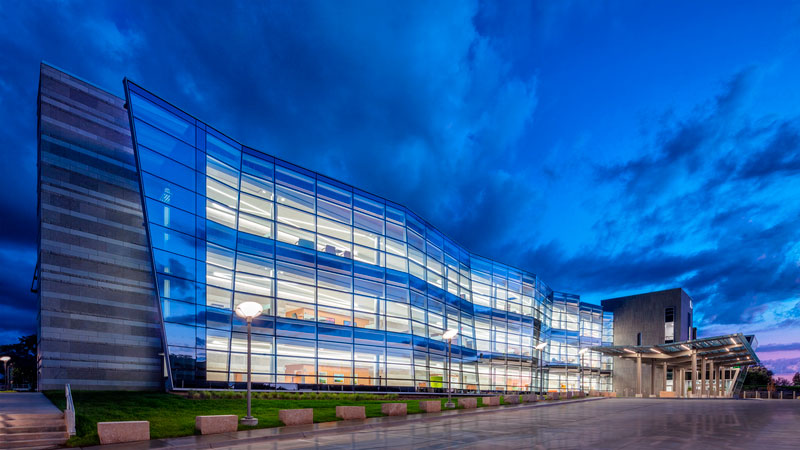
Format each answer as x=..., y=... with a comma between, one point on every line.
x=69, y=412
x=736, y=389
x=772, y=395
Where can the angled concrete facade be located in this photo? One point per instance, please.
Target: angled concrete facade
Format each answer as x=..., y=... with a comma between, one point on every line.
x=99, y=325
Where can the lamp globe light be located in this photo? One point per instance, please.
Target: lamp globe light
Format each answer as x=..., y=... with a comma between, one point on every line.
x=450, y=334
x=249, y=310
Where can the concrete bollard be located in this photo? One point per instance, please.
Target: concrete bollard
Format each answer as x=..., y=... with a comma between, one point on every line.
x=468, y=403
x=351, y=412
x=490, y=401
x=216, y=424
x=394, y=409
x=296, y=416
x=430, y=406
x=116, y=432
x=511, y=399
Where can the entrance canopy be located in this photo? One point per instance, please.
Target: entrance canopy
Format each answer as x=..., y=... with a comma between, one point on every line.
x=729, y=350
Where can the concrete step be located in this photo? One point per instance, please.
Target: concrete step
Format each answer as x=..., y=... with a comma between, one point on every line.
x=46, y=416
x=42, y=447
x=35, y=436
x=35, y=444
x=33, y=428
x=5, y=424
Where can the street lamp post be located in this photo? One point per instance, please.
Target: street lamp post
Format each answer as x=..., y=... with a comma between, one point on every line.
x=540, y=348
x=249, y=311
x=5, y=360
x=580, y=362
x=449, y=335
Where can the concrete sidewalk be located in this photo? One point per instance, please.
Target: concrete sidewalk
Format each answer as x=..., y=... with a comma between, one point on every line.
x=252, y=437
x=29, y=420
x=15, y=403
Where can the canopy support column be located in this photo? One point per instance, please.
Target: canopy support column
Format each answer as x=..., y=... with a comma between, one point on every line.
x=703, y=376
x=638, y=375
x=713, y=376
x=652, y=378
x=694, y=374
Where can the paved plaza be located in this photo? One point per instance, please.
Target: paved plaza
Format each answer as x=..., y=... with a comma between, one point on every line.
x=606, y=424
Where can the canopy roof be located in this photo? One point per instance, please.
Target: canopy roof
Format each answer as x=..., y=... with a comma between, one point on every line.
x=728, y=350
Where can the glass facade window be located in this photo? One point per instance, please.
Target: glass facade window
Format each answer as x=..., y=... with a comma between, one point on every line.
x=575, y=326
x=357, y=291
x=669, y=325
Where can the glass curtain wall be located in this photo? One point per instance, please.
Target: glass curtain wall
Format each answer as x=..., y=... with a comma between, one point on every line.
x=564, y=343
x=356, y=290
x=590, y=362
x=607, y=362
x=575, y=326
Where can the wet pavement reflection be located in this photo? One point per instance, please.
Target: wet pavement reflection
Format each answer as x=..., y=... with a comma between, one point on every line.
x=607, y=424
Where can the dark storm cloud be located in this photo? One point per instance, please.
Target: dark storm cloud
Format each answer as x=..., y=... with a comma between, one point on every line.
x=431, y=104
x=691, y=215
x=604, y=273
x=780, y=157
x=713, y=174
x=678, y=144
x=412, y=101
x=783, y=366
x=18, y=306
x=779, y=347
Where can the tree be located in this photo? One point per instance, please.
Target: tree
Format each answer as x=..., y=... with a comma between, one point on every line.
x=23, y=360
x=796, y=379
x=758, y=376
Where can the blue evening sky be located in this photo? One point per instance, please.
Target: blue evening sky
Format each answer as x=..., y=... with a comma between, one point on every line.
x=610, y=147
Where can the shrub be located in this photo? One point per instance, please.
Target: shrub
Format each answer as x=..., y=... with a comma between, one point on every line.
x=278, y=395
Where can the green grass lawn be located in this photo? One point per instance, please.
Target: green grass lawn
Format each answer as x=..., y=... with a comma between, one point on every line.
x=173, y=415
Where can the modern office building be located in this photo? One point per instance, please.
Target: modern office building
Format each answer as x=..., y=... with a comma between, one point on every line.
x=648, y=319
x=154, y=226
x=655, y=347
